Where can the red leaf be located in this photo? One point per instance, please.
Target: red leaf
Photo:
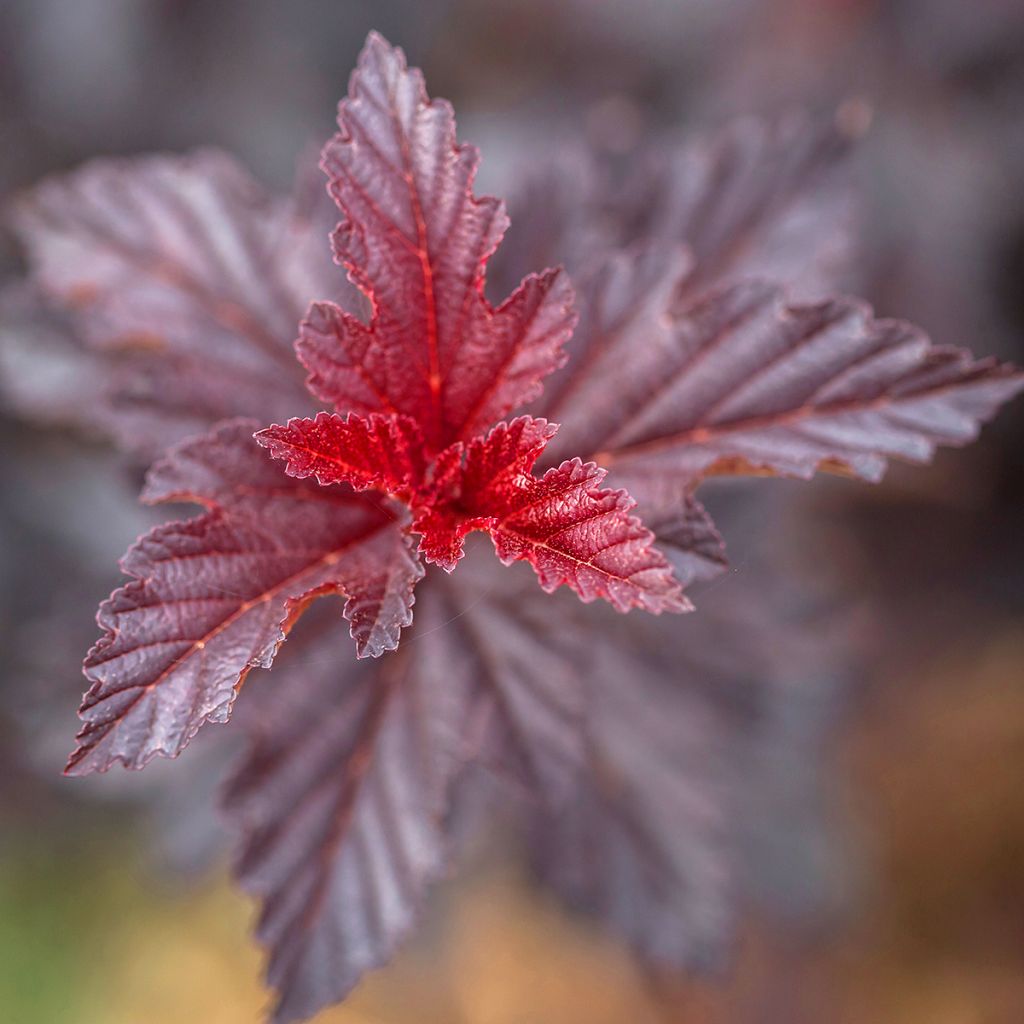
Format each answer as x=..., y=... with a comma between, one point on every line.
x=381, y=452
x=212, y=597
x=570, y=531
x=501, y=463
x=574, y=533
x=416, y=242
x=472, y=484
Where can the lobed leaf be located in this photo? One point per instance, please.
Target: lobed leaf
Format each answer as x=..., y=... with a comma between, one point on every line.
x=416, y=241
x=755, y=384
x=213, y=597
x=573, y=532
x=345, y=801
x=187, y=281
x=381, y=452
x=342, y=804
x=472, y=484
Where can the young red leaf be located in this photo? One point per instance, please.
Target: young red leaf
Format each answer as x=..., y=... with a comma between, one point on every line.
x=214, y=596
x=471, y=485
x=573, y=532
x=416, y=241
x=381, y=452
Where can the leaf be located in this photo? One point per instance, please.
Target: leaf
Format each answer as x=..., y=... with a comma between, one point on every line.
x=619, y=350
x=756, y=384
x=342, y=803
x=416, y=241
x=473, y=485
x=645, y=844
x=532, y=704
x=760, y=197
x=381, y=452
x=187, y=280
x=212, y=597
x=703, y=778
x=568, y=529
x=573, y=532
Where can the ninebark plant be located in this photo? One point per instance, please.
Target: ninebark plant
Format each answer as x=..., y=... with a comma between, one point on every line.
x=431, y=414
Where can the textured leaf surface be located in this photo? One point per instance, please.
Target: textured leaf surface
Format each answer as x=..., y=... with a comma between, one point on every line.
x=569, y=529
x=382, y=452
x=214, y=596
x=342, y=803
x=189, y=278
x=748, y=382
x=576, y=533
x=416, y=241
x=473, y=484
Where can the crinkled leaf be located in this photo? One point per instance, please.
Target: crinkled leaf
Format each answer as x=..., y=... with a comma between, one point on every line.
x=416, y=241
x=563, y=524
x=212, y=597
x=381, y=452
x=576, y=533
x=473, y=484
